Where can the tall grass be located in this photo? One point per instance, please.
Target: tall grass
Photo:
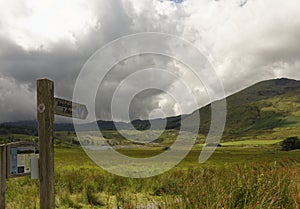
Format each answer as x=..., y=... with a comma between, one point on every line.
x=264, y=185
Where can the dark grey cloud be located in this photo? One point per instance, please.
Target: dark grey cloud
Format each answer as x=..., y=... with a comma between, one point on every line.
x=246, y=44
x=60, y=61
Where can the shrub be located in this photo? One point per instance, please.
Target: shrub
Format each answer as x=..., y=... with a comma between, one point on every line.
x=290, y=143
x=213, y=145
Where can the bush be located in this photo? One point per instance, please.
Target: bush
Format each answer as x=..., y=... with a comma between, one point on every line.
x=290, y=143
x=213, y=145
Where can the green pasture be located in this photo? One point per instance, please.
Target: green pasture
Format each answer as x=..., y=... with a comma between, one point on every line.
x=250, y=172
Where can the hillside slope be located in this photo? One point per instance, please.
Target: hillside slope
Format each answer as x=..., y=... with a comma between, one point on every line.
x=263, y=106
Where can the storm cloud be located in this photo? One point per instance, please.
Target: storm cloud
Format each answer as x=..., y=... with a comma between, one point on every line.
x=246, y=41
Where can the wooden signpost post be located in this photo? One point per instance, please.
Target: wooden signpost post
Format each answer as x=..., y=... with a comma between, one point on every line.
x=47, y=106
x=45, y=116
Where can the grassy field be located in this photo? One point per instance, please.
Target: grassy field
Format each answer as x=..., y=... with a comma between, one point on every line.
x=243, y=174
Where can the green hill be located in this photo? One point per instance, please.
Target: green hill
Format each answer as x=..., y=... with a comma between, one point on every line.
x=263, y=106
x=259, y=109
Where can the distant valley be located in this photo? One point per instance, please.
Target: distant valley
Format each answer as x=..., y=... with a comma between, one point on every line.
x=259, y=108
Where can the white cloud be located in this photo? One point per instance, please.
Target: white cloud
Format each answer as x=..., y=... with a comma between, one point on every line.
x=32, y=23
x=247, y=44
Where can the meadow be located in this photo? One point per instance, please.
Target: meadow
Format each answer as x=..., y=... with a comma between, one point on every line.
x=240, y=174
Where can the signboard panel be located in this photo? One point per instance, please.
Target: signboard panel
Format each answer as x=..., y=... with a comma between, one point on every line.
x=18, y=158
x=69, y=109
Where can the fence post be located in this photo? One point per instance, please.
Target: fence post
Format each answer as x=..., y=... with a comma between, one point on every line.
x=3, y=176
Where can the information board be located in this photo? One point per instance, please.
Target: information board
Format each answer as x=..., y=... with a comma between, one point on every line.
x=18, y=158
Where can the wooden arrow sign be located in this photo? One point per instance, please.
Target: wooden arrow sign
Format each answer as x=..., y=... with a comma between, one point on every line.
x=69, y=109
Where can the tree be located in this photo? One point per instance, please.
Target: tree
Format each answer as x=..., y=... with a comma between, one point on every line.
x=290, y=143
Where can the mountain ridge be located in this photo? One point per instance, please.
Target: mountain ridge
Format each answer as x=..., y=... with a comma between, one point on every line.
x=264, y=106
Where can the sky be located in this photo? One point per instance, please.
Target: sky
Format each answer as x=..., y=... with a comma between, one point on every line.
x=245, y=41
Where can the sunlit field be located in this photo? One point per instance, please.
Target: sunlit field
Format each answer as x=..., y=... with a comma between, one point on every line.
x=240, y=174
